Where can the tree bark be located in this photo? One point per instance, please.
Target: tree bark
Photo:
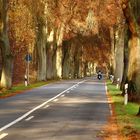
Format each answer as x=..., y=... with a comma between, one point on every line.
x=69, y=52
x=112, y=60
x=134, y=68
x=50, y=51
x=77, y=60
x=66, y=73
x=6, y=77
x=57, y=55
x=81, y=62
x=132, y=13
x=73, y=65
x=126, y=58
x=85, y=68
x=41, y=52
x=54, y=71
x=119, y=53
x=59, y=62
x=138, y=114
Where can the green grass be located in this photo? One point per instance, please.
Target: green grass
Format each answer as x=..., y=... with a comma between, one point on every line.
x=21, y=87
x=125, y=114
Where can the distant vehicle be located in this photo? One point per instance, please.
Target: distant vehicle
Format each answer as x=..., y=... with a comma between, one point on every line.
x=99, y=75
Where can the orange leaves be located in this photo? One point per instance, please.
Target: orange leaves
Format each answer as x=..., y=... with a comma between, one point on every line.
x=21, y=32
x=85, y=18
x=110, y=11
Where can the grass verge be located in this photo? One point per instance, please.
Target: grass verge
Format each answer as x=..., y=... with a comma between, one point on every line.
x=127, y=121
x=4, y=93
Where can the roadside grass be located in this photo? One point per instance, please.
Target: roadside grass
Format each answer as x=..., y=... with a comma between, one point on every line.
x=21, y=88
x=126, y=115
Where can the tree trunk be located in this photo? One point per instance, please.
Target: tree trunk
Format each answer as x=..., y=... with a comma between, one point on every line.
x=67, y=49
x=112, y=60
x=77, y=61
x=134, y=69
x=93, y=69
x=131, y=11
x=81, y=63
x=6, y=77
x=126, y=56
x=138, y=114
x=54, y=71
x=57, y=55
x=74, y=66
x=41, y=52
x=119, y=53
x=69, y=59
x=59, y=62
x=86, y=68
x=50, y=51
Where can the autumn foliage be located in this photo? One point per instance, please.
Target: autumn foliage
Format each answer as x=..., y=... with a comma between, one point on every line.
x=32, y=22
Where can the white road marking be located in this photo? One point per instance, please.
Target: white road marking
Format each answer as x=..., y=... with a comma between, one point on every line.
x=36, y=108
x=28, y=119
x=46, y=106
x=68, y=91
x=55, y=100
x=62, y=95
x=3, y=135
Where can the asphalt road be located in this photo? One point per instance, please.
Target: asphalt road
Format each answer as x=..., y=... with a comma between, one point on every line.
x=66, y=110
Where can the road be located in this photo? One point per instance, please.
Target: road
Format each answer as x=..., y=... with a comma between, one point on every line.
x=65, y=110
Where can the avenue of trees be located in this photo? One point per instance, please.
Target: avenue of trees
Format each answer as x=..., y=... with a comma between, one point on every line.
x=70, y=38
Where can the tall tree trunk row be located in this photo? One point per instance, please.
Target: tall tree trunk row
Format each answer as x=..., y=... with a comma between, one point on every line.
x=132, y=14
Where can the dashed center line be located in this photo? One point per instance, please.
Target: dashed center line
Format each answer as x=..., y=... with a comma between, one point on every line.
x=36, y=108
x=3, y=135
x=46, y=106
x=28, y=119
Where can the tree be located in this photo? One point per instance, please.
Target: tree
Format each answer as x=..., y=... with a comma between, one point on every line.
x=21, y=34
x=6, y=77
x=131, y=11
x=119, y=51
